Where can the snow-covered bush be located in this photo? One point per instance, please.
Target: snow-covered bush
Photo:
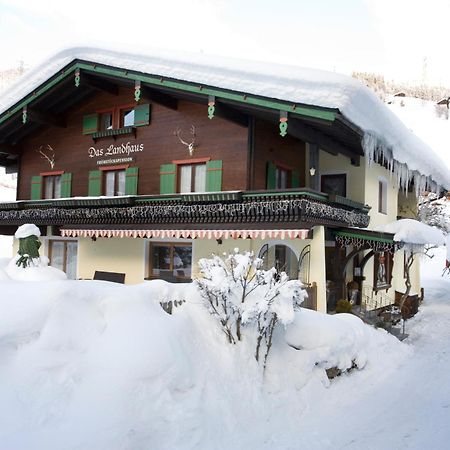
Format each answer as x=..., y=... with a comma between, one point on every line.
x=239, y=294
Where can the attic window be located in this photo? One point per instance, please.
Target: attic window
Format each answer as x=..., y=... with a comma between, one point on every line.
x=118, y=120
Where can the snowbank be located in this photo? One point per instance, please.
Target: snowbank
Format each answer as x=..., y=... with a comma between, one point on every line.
x=39, y=270
x=383, y=130
x=88, y=364
x=337, y=340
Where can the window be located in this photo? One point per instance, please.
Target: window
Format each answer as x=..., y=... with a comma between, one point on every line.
x=335, y=184
x=120, y=117
x=382, y=270
x=106, y=121
x=63, y=256
x=52, y=186
x=114, y=182
x=282, y=178
x=382, y=196
x=170, y=261
x=192, y=178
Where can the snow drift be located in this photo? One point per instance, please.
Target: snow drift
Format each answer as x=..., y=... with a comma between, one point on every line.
x=90, y=364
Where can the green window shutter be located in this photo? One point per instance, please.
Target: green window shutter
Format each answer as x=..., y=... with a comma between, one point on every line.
x=141, y=115
x=66, y=185
x=36, y=187
x=214, y=176
x=295, y=179
x=131, y=180
x=167, y=178
x=271, y=175
x=95, y=183
x=90, y=123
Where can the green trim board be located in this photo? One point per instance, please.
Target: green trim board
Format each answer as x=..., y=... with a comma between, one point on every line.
x=366, y=236
x=278, y=105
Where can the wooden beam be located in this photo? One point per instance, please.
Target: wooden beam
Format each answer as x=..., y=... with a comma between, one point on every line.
x=301, y=131
x=231, y=114
x=8, y=149
x=99, y=85
x=159, y=98
x=45, y=118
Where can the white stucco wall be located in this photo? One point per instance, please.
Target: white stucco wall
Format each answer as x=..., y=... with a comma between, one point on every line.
x=112, y=255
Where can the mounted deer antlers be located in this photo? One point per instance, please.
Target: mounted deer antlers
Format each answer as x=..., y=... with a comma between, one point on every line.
x=47, y=153
x=191, y=145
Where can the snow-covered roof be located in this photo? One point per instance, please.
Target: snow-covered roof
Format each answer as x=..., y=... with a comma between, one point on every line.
x=410, y=231
x=383, y=131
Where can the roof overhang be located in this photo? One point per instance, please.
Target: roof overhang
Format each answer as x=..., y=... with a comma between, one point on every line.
x=80, y=79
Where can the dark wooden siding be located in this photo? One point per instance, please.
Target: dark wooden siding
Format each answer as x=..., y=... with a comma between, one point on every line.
x=216, y=139
x=270, y=146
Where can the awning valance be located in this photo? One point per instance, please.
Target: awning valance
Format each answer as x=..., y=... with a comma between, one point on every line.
x=188, y=234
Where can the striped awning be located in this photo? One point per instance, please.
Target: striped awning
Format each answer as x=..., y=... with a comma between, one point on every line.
x=188, y=234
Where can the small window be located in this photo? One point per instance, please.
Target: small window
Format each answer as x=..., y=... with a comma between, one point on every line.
x=170, y=261
x=63, y=256
x=192, y=178
x=335, y=184
x=106, y=121
x=382, y=196
x=126, y=117
x=114, y=182
x=52, y=186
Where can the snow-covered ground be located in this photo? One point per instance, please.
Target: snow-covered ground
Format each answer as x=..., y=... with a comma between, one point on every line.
x=93, y=365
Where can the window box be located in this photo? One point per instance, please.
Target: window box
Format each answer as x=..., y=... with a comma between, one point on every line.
x=114, y=133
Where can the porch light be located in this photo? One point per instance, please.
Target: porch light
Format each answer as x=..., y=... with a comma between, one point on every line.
x=312, y=171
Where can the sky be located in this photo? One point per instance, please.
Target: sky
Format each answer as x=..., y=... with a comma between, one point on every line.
x=400, y=39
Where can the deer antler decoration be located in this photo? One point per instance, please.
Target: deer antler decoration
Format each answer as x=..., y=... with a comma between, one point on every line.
x=47, y=153
x=189, y=145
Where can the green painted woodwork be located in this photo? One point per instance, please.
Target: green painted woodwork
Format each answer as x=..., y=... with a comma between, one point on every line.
x=142, y=115
x=131, y=180
x=114, y=132
x=283, y=128
x=295, y=179
x=308, y=111
x=24, y=115
x=167, y=178
x=95, y=183
x=285, y=194
x=66, y=185
x=211, y=110
x=36, y=187
x=362, y=235
x=90, y=123
x=214, y=176
x=77, y=78
x=271, y=178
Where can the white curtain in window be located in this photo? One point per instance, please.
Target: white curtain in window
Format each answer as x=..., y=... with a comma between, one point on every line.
x=57, y=190
x=110, y=182
x=48, y=187
x=71, y=260
x=57, y=254
x=121, y=182
x=200, y=178
x=186, y=178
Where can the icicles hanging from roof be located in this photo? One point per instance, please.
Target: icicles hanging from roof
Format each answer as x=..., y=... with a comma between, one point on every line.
x=377, y=151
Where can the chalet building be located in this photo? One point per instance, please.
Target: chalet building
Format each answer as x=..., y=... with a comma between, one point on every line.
x=141, y=165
